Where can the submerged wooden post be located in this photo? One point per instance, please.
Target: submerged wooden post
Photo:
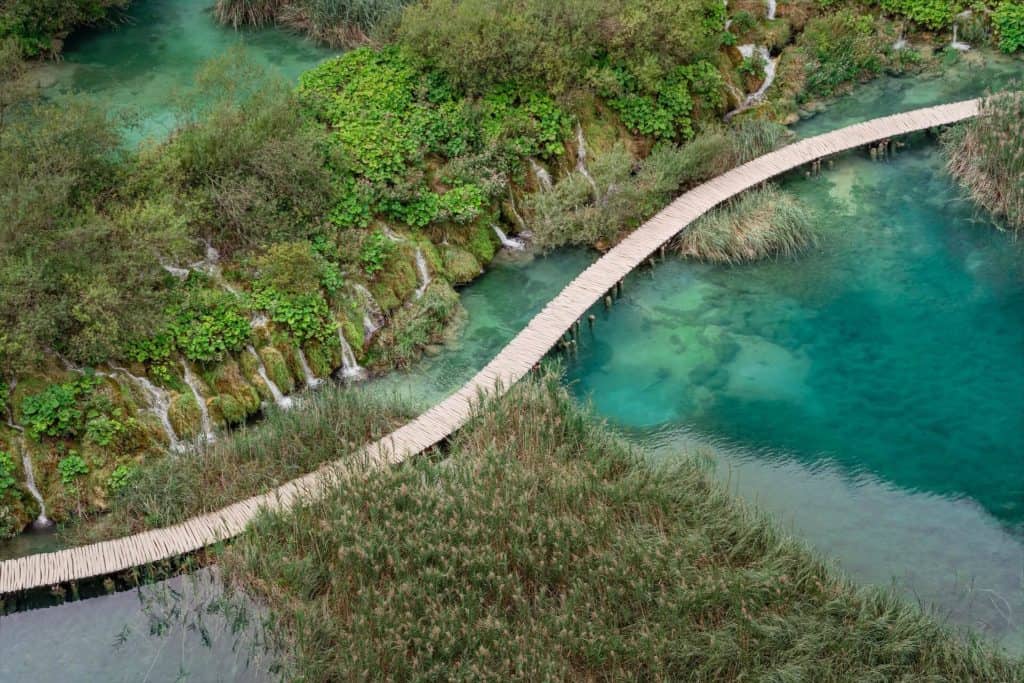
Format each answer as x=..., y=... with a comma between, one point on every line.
x=590, y=319
x=607, y=301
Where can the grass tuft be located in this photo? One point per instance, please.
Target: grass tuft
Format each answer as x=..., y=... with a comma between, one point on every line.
x=758, y=224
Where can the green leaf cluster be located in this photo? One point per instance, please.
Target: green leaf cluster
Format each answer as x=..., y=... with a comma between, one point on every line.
x=58, y=410
x=71, y=467
x=663, y=109
x=376, y=250
x=208, y=325
x=7, y=480
x=120, y=477
x=933, y=14
x=1009, y=22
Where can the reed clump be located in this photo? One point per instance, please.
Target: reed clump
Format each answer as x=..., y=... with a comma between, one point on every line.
x=543, y=548
x=337, y=23
x=986, y=155
x=761, y=223
x=335, y=423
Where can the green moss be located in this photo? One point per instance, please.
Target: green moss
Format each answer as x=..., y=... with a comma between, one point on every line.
x=322, y=358
x=460, y=265
x=482, y=243
x=277, y=369
x=412, y=327
x=228, y=380
x=354, y=333
x=226, y=408
x=184, y=415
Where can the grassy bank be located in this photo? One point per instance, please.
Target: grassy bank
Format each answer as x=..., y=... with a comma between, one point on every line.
x=986, y=155
x=543, y=548
x=332, y=424
x=761, y=223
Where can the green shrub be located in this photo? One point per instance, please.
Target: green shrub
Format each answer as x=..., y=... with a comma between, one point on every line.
x=71, y=467
x=209, y=324
x=1009, y=22
x=840, y=49
x=120, y=477
x=933, y=14
x=376, y=250
x=102, y=430
x=56, y=411
x=7, y=480
x=39, y=27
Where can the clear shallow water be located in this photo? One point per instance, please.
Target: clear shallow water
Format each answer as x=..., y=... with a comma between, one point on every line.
x=145, y=64
x=182, y=629
x=872, y=393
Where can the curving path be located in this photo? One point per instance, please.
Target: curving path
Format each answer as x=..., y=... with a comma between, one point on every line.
x=514, y=361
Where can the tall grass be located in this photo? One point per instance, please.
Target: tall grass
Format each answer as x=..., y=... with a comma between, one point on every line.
x=543, y=548
x=986, y=155
x=334, y=423
x=338, y=23
x=758, y=224
x=631, y=192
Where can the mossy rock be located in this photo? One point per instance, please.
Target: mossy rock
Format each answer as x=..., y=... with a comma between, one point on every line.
x=354, y=333
x=777, y=34
x=228, y=380
x=227, y=409
x=461, y=266
x=323, y=359
x=184, y=416
x=277, y=369
x=482, y=243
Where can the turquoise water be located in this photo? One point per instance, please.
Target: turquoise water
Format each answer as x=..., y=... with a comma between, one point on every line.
x=144, y=65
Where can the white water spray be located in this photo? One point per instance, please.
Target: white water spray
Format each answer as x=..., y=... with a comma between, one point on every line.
x=770, y=66
x=350, y=368
x=506, y=241
x=42, y=521
x=581, y=160
x=956, y=44
x=424, y=272
x=515, y=211
x=159, y=404
x=311, y=380
x=373, y=316
x=770, y=14
x=280, y=399
x=543, y=177
x=204, y=412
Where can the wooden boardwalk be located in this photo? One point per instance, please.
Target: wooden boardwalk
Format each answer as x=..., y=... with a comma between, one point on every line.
x=514, y=361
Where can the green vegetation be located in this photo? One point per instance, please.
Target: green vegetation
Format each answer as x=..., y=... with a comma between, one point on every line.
x=334, y=424
x=986, y=154
x=338, y=23
x=39, y=27
x=758, y=224
x=1008, y=20
x=539, y=547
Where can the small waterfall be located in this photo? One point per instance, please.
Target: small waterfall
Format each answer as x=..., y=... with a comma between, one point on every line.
x=956, y=44
x=515, y=211
x=311, y=380
x=506, y=241
x=771, y=10
x=159, y=405
x=258, y=321
x=390, y=234
x=204, y=412
x=280, y=399
x=42, y=521
x=770, y=65
x=373, y=316
x=350, y=368
x=424, y=272
x=543, y=177
x=581, y=160
x=901, y=42
x=180, y=273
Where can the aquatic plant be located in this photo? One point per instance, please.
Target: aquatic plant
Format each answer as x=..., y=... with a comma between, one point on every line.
x=986, y=155
x=538, y=546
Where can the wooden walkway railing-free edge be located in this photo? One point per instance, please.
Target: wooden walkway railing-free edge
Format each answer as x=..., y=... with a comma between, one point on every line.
x=512, y=363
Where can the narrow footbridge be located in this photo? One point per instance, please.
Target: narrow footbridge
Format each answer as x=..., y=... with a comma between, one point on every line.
x=514, y=361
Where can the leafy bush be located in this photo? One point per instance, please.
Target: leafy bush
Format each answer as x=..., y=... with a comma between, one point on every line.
x=933, y=14
x=7, y=480
x=40, y=26
x=209, y=324
x=120, y=477
x=71, y=468
x=102, y=430
x=1009, y=22
x=840, y=49
x=375, y=252
x=56, y=411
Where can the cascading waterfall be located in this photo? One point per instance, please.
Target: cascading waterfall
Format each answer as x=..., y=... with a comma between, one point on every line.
x=901, y=42
x=280, y=399
x=770, y=66
x=506, y=241
x=956, y=44
x=42, y=521
x=543, y=177
x=581, y=160
x=373, y=316
x=424, y=272
x=770, y=14
x=204, y=412
x=311, y=380
x=350, y=368
x=159, y=405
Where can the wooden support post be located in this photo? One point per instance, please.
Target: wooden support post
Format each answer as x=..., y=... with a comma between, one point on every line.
x=590, y=319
